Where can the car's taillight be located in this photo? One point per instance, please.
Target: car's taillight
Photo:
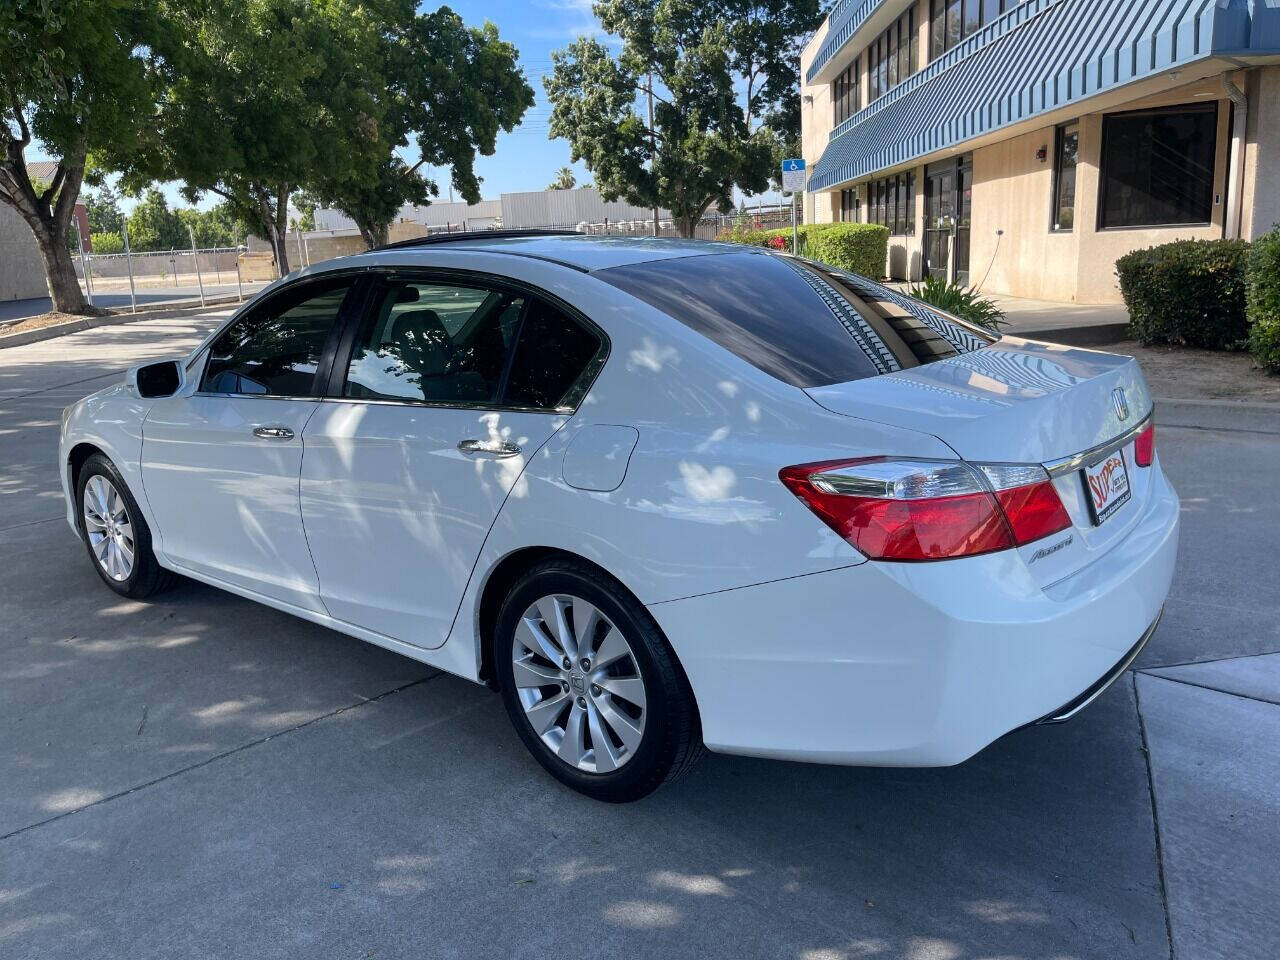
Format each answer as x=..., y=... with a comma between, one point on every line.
x=929, y=510
x=1144, y=446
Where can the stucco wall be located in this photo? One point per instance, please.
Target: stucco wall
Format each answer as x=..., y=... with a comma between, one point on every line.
x=1261, y=195
x=21, y=268
x=1013, y=192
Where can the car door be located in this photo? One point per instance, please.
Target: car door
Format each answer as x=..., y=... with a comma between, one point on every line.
x=220, y=464
x=449, y=386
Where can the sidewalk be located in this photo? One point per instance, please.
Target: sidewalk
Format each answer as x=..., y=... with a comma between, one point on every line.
x=1083, y=325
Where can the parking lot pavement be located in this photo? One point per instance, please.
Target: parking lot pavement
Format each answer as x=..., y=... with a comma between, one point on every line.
x=202, y=776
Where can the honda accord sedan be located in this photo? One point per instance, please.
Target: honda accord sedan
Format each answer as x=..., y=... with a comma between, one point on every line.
x=659, y=494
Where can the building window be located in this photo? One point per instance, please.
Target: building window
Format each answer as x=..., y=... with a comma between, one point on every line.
x=1066, y=152
x=848, y=206
x=951, y=21
x=1157, y=166
x=893, y=56
x=891, y=202
x=846, y=93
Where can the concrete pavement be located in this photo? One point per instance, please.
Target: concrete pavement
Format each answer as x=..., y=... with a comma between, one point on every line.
x=201, y=776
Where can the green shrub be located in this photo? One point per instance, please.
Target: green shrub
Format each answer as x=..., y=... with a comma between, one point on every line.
x=104, y=243
x=959, y=300
x=1262, y=299
x=857, y=247
x=1188, y=292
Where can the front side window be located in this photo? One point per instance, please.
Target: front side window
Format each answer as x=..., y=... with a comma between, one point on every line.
x=1157, y=166
x=1066, y=153
x=275, y=350
x=434, y=342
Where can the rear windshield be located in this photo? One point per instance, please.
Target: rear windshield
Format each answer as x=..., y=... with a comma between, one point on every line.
x=800, y=322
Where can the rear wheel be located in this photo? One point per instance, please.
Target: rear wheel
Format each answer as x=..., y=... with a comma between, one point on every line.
x=591, y=685
x=115, y=532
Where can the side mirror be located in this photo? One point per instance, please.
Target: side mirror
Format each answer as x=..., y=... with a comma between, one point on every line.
x=160, y=379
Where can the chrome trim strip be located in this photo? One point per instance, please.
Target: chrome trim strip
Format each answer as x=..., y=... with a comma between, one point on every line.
x=1074, y=462
x=1071, y=708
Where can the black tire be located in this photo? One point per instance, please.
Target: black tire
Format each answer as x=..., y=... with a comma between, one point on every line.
x=671, y=740
x=146, y=576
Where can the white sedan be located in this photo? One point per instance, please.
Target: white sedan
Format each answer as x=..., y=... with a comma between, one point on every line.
x=657, y=493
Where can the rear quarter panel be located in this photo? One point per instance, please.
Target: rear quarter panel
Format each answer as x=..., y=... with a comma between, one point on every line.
x=700, y=508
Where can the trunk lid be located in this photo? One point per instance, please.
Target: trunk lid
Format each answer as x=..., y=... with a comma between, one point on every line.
x=1022, y=401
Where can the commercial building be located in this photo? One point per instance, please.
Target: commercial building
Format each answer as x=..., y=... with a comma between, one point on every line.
x=1024, y=146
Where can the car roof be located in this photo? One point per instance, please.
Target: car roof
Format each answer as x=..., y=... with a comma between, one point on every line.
x=579, y=251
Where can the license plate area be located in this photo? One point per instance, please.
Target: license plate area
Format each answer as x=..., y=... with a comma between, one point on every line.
x=1106, y=486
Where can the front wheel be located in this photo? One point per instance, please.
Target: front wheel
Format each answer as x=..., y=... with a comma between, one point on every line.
x=591, y=685
x=115, y=532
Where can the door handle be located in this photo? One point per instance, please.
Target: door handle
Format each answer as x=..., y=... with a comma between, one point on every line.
x=499, y=449
x=273, y=433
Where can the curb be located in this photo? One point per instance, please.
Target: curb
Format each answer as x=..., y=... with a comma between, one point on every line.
x=1085, y=335
x=1218, y=415
x=159, y=312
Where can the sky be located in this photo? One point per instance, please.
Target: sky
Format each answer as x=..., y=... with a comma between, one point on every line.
x=523, y=159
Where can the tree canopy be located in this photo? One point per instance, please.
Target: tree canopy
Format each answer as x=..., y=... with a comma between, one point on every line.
x=76, y=77
x=565, y=180
x=447, y=89
x=722, y=75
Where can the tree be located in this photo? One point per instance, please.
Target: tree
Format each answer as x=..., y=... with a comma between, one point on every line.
x=104, y=243
x=721, y=75
x=103, y=208
x=262, y=97
x=565, y=180
x=153, y=226
x=73, y=76
x=443, y=87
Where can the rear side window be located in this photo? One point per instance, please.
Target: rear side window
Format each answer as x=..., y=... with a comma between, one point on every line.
x=434, y=342
x=550, y=366
x=799, y=322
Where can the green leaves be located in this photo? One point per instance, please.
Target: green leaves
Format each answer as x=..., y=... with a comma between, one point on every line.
x=959, y=300
x=715, y=71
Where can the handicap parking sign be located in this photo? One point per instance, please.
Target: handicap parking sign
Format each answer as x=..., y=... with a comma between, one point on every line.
x=793, y=174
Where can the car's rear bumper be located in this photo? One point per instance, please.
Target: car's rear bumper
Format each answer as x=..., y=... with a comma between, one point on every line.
x=918, y=664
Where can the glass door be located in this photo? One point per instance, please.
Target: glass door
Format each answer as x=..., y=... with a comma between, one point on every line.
x=964, y=216
x=939, y=208
x=948, y=208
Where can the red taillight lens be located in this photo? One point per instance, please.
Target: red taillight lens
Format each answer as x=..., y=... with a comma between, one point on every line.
x=929, y=510
x=1144, y=446
x=1034, y=511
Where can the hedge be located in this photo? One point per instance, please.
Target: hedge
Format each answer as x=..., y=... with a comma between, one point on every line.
x=1187, y=292
x=1262, y=299
x=857, y=247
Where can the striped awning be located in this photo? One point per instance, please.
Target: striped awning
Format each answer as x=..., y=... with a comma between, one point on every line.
x=1038, y=57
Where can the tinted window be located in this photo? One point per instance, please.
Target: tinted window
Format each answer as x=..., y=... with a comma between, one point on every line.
x=275, y=350
x=551, y=359
x=434, y=342
x=1157, y=166
x=757, y=306
x=803, y=324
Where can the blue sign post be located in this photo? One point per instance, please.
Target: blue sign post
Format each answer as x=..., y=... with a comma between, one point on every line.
x=793, y=176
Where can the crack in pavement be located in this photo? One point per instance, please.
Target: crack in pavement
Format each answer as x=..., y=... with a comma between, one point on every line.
x=1204, y=686
x=1155, y=814
x=363, y=701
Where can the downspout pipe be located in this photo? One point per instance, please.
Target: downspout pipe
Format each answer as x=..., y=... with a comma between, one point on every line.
x=1235, y=168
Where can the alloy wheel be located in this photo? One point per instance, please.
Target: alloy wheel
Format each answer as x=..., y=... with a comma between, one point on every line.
x=579, y=683
x=108, y=527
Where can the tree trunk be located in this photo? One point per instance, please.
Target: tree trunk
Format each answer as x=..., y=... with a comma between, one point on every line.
x=60, y=276
x=49, y=213
x=374, y=235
